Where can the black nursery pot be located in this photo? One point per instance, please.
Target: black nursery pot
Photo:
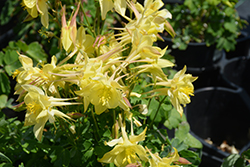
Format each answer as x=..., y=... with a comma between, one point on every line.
x=197, y=55
x=242, y=48
x=173, y=1
x=220, y=114
x=236, y=72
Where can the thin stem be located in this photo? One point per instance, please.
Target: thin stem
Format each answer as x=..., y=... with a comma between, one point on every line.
x=95, y=122
x=114, y=117
x=114, y=126
x=88, y=24
x=157, y=111
x=98, y=19
x=67, y=58
x=69, y=134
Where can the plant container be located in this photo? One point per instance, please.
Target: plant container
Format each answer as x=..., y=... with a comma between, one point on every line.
x=197, y=55
x=242, y=48
x=236, y=71
x=219, y=114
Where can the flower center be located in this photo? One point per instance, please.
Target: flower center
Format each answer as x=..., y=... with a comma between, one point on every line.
x=33, y=107
x=187, y=90
x=104, y=99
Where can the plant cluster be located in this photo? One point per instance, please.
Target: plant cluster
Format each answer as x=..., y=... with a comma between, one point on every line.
x=105, y=94
x=215, y=22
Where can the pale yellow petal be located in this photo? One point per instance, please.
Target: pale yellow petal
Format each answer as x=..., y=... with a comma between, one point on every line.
x=38, y=128
x=114, y=142
x=135, y=139
x=99, y=108
x=120, y=6
x=59, y=113
x=32, y=88
x=29, y=3
x=106, y=5
x=33, y=12
x=25, y=61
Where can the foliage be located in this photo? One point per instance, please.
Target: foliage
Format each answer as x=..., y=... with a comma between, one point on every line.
x=89, y=90
x=210, y=21
x=237, y=160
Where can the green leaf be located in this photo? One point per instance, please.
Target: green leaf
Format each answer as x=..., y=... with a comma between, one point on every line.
x=4, y=158
x=173, y=120
x=4, y=84
x=3, y=101
x=182, y=131
x=230, y=160
x=101, y=150
x=191, y=156
x=152, y=110
x=10, y=57
x=87, y=144
x=190, y=4
x=76, y=154
x=231, y=26
x=179, y=145
x=192, y=141
x=178, y=43
x=246, y=154
x=7, y=11
x=36, y=52
x=12, y=67
x=89, y=153
x=60, y=157
x=21, y=165
x=240, y=162
x=5, y=165
x=1, y=58
x=22, y=45
x=229, y=11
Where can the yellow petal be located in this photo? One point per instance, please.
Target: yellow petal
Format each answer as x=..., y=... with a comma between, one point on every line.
x=120, y=6
x=114, y=142
x=33, y=12
x=99, y=108
x=106, y=5
x=140, y=137
x=32, y=88
x=43, y=9
x=29, y=3
x=25, y=61
x=38, y=128
x=65, y=39
x=59, y=113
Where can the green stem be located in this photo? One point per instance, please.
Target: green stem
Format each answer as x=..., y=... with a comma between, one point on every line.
x=114, y=117
x=151, y=124
x=91, y=31
x=114, y=129
x=69, y=134
x=95, y=122
x=98, y=20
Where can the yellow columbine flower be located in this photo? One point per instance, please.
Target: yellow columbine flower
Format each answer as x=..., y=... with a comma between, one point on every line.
x=154, y=67
x=156, y=161
x=44, y=77
x=159, y=17
x=102, y=93
x=69, y=31
x=126, y=151
x=107, y=5
x=38, y=6
x=84, y=43
x=27, y=74
x=40, y=109
x=98, y=89
x=178, y=89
